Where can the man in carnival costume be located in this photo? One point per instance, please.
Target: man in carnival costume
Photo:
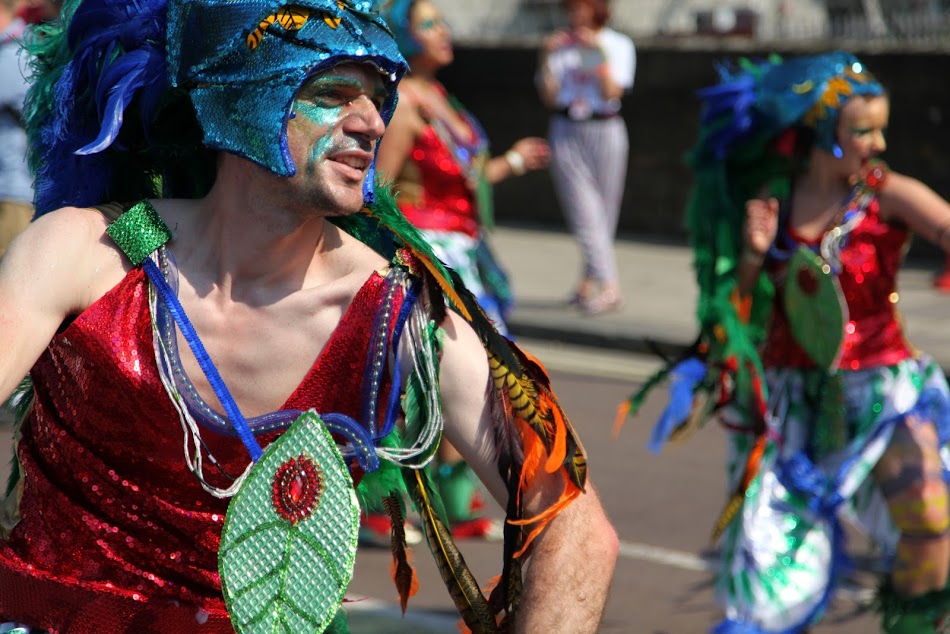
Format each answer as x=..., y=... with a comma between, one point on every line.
x=798, y=231
x=226, y=146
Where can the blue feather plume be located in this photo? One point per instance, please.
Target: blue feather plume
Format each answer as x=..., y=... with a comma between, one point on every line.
x=113, y=52
x=686, y=375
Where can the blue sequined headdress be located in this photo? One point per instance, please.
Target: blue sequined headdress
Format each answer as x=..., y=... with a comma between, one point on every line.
x=242, y=61
x=128, y=95
x=760, y=100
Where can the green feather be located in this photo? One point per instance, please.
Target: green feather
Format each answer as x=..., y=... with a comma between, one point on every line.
x=384, y=481
x=19, y=403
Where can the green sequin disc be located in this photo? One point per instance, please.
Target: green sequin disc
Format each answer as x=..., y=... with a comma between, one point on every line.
x=289, y=538
x=815, y=307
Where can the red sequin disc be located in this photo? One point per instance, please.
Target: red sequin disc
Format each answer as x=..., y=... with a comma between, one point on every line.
x=296, y=488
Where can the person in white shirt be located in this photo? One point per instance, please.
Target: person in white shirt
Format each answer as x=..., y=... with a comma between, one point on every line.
x=584, y=72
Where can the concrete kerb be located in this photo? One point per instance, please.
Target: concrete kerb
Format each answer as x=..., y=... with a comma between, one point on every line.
x=595, y=339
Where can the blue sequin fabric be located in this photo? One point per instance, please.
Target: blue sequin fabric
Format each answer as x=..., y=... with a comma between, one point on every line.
x=760, y=99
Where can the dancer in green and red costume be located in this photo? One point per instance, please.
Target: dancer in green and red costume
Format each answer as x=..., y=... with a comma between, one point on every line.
x=799, y=231
x=253, y=321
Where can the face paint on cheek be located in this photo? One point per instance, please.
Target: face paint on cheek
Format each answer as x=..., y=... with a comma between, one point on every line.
x=321, y=117
x=318, y=152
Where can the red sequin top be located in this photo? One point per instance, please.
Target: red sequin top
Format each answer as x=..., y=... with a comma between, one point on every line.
x=434, y=192
x=116, y=534
x=873, y=335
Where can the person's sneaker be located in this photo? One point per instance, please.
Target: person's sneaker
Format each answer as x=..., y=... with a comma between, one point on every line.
x=376, y=531
x=484, y=528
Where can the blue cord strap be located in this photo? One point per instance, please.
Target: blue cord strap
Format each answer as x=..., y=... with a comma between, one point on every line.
x=204, y=360
x=394, y=389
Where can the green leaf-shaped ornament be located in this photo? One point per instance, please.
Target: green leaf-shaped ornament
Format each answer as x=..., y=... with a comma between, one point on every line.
x=289, y=538
x=815, y=306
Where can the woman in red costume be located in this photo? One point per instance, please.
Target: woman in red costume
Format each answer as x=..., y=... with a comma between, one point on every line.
x=437, y=155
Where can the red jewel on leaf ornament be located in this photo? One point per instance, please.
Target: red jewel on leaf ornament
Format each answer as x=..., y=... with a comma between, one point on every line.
x=807, y=281
x=296, y=488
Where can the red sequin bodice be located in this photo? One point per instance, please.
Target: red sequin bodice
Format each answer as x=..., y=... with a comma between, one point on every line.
x=116, y=533
x=873, y=335
x=442, y=199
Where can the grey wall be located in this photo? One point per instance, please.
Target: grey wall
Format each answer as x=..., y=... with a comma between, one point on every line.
x=661, y=113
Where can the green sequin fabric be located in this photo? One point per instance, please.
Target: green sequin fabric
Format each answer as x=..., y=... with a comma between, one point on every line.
x=816, y=309
x=139, y=232
x=289, y=540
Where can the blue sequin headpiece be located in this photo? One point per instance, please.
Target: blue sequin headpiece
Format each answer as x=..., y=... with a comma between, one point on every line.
x=126, y=92
x=396, y=14
x=242, y=62
x=765, y=98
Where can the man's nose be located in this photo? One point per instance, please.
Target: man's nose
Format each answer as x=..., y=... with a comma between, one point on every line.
x=365, y=118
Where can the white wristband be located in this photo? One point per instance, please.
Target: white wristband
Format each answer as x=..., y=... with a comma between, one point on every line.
x=516, y=161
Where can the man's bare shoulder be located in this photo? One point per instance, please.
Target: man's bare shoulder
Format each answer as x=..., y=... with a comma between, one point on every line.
x=355, y=256
x=67, y=251
x=64, y=232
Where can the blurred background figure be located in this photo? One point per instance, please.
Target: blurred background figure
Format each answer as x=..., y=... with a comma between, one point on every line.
x=584, y=72
x=16, y=193
x=437, y=155
x=799, y=231
x=942, y=279
x=38, y=11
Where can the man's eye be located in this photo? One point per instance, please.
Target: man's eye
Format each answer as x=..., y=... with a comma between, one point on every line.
x=328, y=94
x=331, y=96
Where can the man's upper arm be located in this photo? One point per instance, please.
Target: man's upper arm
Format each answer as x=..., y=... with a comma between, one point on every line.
x=44, y=276
x=464, y=381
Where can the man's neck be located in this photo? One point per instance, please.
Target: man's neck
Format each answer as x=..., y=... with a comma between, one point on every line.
x=244, y=241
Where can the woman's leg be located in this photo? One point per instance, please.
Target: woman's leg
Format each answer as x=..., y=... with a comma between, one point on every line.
x=578, y=194
x=609, y=158
x=910, y=474
x=608, y=146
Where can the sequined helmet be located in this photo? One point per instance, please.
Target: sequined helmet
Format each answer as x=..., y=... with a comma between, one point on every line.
x=242, y=61
x=761, y=99
x=127, y=97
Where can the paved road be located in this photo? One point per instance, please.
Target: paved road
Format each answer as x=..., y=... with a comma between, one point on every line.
x=662, y=507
